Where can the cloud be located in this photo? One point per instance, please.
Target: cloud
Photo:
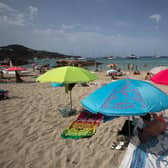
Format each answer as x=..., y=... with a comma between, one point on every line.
x=15, y=20
x=33, y=11
x=67, y=26
x=155, y=17
x=90, y=43
x=9, y=15
x=4, y=7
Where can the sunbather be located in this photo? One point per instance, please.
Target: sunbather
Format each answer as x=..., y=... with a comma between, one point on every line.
x=152, y=128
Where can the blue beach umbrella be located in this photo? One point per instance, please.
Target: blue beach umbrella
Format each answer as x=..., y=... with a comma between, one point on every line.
x=126, y=97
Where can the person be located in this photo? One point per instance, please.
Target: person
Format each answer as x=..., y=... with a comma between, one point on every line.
x=159, y=118
x=138, y=125
x=137, y=72
x=119, y=72
x=113, y=76
x=1, y=74
x=148, y=76
x=152, y=127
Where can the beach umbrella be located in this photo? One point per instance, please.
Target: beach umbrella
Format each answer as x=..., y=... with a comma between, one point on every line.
x=126, y=97
x=16, y=69
x=69, y=76
x=160, y=77
x=158, y=69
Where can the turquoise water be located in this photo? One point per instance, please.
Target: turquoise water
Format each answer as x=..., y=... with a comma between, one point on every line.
x=143, y=64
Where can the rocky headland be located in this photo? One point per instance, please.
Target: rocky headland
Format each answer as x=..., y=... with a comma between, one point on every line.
x=20, y=55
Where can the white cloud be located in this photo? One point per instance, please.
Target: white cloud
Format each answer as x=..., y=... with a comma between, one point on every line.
x=15, y=20
x=4, y=7
x=70, y=27
x=33, y=11
x=155, y=17
x=9, y=15
x=67, y=26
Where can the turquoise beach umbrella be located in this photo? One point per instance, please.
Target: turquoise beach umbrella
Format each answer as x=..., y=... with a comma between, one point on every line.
x=126, y=97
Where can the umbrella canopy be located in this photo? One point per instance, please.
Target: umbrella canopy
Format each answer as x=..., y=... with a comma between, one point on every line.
x=16, y=69
x=161, y=77
x=158, y=69
x=67, y=74
x=126, y=97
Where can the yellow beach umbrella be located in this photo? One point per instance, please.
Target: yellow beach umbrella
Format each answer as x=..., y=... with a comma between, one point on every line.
x=69, y=75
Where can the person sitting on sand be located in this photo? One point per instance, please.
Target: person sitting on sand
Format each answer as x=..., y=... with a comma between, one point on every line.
x=152, y=128
x=119, y=72
x=148, y=76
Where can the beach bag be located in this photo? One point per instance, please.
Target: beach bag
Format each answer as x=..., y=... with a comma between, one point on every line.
x=125, y=129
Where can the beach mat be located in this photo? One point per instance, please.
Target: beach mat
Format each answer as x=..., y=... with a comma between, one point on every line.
x=84, y=126
x=153, y=154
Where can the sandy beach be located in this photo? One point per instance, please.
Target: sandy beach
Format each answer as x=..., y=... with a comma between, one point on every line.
x=30, y=128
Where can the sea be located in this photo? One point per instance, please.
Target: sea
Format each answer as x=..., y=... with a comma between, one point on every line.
x=141, y=63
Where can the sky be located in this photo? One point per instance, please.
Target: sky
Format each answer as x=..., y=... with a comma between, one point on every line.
x=89, y=28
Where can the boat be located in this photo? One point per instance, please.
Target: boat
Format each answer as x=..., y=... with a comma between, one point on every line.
x=132, y=56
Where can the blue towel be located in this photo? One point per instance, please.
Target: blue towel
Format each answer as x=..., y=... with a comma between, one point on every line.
x=56, y=84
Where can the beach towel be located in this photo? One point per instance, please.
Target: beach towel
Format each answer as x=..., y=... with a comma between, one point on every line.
x=84, y=126
x=153, y=154
x=86, y=116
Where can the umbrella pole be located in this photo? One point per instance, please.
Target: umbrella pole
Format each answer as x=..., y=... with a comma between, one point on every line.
x=70, y=95
x=129, y=128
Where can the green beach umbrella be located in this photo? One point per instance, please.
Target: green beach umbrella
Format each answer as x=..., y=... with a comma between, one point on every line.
x=69, y=75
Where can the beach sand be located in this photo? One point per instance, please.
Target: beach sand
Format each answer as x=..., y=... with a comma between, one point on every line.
x=30, y=128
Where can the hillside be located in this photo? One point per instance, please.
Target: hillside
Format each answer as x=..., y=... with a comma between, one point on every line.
x=21, y=55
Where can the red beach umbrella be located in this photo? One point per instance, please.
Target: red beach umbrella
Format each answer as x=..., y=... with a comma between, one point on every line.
x=5, y=66
x=16, y=69
x=160, y=77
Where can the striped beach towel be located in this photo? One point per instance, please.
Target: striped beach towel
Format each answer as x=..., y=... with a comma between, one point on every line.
x=84, y=126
